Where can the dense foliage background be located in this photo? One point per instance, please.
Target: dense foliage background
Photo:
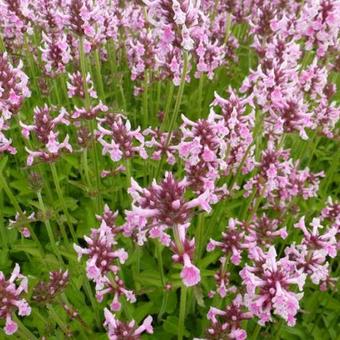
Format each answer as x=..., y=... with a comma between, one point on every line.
x=141, y=65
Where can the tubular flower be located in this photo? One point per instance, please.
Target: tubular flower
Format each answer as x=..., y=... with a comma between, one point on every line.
x=13, y=87
x=21, y=222
x=104, y=257
x=159, y=207
x=118, y=330
x=11, y=300
x=44, y=128
x=101, y=252
x=75, y=86
x=279, y=179
x=124, y=142
x=5, y=143
x=233, y=242
x=268, y=285
x=55, y=53
x=183, y=253
x=45, y=292
x=226, y=323
x=313, y=240
x=161, y=145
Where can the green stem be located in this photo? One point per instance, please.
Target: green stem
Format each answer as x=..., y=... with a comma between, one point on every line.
x=113, y=66
x=96, y=168
x=31, y=62
x=163, y=306
x=25, y=331
x=86, y=167
x=200, y=94
x=176, y=109
x=145, y=111
x=99, y=74
x=17, y=207
x=277, y=333
x=136, y=268
x=256, y=332
x=158, y=96
x=58, y=320
x=182, y=310
x=61, y=200
x=235, y=177
x=83, y=66
x=128, y=172
x=49, y=228
x=2, y=44
x=56, y=90
x=227, y=28
x=121, y=90
x=159, y=250
x=168, y=102
x=3, y=232
x=199, y=236
x=93, y=302
x=179, y=95
x=9, y=193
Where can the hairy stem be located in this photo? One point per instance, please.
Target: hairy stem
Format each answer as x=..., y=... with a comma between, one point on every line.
x=182, y=312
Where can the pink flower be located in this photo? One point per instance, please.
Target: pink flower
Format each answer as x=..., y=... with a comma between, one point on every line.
x=226, y=323
x=5, y=143
x=123, y=141
x=327, y=241
x=233, y=241
x=273, y=279
x=190, y=274
x=55, y=53
x=161, y=205
x=11, y=327
x=26, y=232
x=11, y=291
x=117, y=329
x=13, y=88
x=46, y=291
x=101, y=251
x=75, y=86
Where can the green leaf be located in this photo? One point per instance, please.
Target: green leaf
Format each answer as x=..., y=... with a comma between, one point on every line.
x=170, y=325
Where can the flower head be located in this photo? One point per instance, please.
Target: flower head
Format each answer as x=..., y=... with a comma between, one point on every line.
x=11, y=300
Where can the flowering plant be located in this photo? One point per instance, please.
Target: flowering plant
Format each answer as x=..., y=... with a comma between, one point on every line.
x=169, y=169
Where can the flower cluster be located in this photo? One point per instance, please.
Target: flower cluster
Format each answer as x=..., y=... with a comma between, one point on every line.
x=119, y=330
x=318, y=25
x=13, y=87
x=279, y=179
x=237, y=115
x=227, y=323
x=11, y=299
x=44, y=128
x=102, y=265
x=22, y=222
x=312, y=253
x=269, y=286
x=161, y=144
x=161, y=207
x=55, y=53
x=123, y=141
x=5, y=143
x=233, y=242
x=75, y=86
x=46, y=291
x=16, y=21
